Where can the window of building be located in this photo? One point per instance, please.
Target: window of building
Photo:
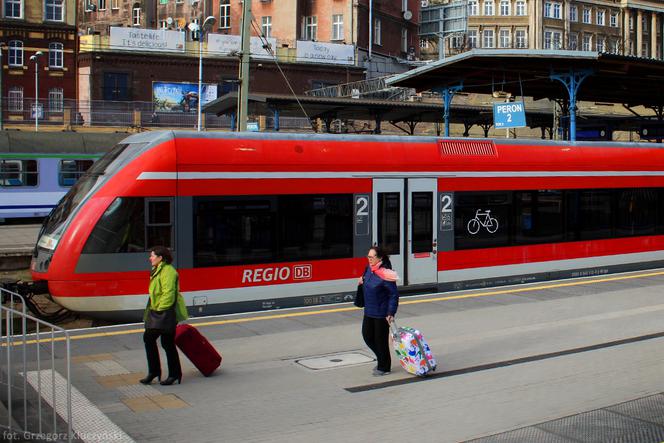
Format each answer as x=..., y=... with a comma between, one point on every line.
x=53, y=10
x=472, y=39
x=557, y=42
x=15, y=53
x=548, y=9
x=101, y=5
x=115, y=4
x=337, y=27
x=521, y=7
x=573, y=13
x=55, y=55
x=557, y=10
x=266, y=26
x=377, y=38
x=573, y=41
x=16, y=172
x=310, y=23
x=225, y=14
x=404, y=40
x=72, y=170
x=163, y=24
x=587, y=42
x=600, y=45
x=473, y=7
x=56, y=99
x=547, y=39
x=505, y=7
x=520, y=38
x=504, y=38
x=136, y=15
x=614, y=20
x=613, y=46
x=586, y=15
x=487, y=41
x=15, y=98
x=13, y=8
x=601, y=14
x=489, y=7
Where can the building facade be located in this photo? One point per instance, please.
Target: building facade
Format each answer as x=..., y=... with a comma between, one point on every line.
x=38, y=41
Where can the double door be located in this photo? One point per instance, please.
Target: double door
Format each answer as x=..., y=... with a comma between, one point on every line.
x=405, y=217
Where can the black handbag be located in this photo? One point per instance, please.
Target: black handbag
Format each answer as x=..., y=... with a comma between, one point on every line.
x=359, y=297
x=161, y=320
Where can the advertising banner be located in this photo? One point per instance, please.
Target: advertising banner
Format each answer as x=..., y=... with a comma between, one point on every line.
x=180, y=97
x=222, y=44
x=334, y=53
x=146, y=39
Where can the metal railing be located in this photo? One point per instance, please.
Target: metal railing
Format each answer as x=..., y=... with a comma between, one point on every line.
x=371, y=88
x=30, y=383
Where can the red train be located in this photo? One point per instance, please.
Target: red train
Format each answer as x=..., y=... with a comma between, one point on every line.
x=266, y=221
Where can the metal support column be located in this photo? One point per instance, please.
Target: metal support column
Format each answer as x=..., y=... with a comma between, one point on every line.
x=448, y=94
x=233, y=121
x=572, y=80
x=275, y=111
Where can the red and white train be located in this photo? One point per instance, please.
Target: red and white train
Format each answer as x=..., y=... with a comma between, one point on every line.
x=264, y=221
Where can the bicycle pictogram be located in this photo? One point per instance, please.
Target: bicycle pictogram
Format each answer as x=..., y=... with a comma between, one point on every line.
x=482, y=219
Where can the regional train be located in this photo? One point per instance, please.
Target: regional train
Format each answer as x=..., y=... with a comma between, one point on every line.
x=38, y=168
x=266, y=221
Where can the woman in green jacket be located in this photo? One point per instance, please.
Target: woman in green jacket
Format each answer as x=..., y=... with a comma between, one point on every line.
x=164, y=310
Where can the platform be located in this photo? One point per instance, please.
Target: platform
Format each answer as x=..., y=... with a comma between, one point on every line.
x=573, y=360
x=16, y=245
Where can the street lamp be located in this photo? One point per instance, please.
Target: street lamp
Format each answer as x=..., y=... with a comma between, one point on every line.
x=35, y=58
x=1, y=113
x=207, y=25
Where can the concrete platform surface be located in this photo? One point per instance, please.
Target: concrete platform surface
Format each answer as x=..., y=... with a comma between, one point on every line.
x=575, y=360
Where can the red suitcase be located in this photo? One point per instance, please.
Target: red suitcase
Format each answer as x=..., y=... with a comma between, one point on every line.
x=197, y=348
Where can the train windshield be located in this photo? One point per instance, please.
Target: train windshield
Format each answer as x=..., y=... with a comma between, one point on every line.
x=54, y=224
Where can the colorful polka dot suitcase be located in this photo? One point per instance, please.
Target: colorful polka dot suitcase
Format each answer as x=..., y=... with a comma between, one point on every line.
x=412, y=350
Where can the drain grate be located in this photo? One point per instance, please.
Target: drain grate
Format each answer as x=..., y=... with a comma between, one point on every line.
x=334, y=361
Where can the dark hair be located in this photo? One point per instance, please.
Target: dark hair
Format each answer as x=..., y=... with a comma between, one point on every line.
x=382, y=255
x=164, y=253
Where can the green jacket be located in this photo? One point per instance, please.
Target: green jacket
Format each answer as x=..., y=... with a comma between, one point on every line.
x=164, y=290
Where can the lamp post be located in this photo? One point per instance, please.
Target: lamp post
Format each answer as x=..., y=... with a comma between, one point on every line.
x=35, y=58
x=207, y=25
x=1, y=69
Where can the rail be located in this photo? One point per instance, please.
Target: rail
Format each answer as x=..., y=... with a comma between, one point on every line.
x=29, y=375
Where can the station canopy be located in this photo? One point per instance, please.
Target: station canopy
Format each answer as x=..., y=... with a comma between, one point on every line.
x=612, y=78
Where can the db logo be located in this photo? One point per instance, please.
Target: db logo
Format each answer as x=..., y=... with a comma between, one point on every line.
x=302, y=272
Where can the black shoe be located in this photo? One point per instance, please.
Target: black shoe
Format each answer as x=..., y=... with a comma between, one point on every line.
x=148, y=378
x=377, y=373
x=170, y=380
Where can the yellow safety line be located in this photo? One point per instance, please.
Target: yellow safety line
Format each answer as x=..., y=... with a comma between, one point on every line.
x=353, y=308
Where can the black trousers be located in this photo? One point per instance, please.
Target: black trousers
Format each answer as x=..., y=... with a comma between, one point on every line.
x=150, y=337
x=375, y=332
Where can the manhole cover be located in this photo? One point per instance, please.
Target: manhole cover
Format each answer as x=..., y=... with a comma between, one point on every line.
x=334, y=361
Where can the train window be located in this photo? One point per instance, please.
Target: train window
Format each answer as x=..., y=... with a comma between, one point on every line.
x=159, y=226
x=482, y=219
x=538, y=217
x=589, y=214
x=18, y=173
x=72, y=170
x=120, y=229
x=389, y=222
x=422, y=222
x=636, y=214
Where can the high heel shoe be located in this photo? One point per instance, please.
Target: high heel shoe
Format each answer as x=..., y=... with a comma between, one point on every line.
x=170, y=380
x=148, y=378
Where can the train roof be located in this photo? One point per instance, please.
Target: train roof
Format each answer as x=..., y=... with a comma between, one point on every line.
x=17, y=142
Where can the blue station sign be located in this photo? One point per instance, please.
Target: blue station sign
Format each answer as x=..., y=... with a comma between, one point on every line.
x=509, y=115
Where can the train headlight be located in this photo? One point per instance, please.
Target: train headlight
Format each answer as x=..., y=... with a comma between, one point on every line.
x=48, y=242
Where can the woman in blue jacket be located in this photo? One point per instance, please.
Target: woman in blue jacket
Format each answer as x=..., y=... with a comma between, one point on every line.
x=381, y=300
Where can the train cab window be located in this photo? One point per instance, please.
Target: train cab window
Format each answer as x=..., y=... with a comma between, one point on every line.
x=18, y=173
x=636, y=214
x=159, y=223
x=539, y=217
x=422, y=222
x=482, y=219
x=389, y=222
x=72, y=170
x=120, y=229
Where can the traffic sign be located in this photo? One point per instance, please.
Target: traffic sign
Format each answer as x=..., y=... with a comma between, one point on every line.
x=509, y=115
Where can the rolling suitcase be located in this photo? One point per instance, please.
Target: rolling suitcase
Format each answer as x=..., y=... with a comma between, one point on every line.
x=412, y=350
x=197, y=349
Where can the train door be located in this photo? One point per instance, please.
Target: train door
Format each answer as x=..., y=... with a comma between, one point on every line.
x=388, y=221
x=422, y=248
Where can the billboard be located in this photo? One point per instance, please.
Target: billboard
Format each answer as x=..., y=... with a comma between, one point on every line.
x=316, y=52
x=146, y=39
x=180, y=97
x=223, y=44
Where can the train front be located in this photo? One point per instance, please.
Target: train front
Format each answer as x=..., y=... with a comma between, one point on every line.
x=91, y=248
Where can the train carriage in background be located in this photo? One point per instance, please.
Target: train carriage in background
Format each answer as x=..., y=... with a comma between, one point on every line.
x=266, y=221
x=38, y=168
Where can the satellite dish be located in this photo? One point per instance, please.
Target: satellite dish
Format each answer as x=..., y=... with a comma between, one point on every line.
x=169, y=20
x=193, y=27
x=407, y=15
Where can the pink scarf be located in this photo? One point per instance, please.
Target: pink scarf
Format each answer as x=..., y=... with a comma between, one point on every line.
x=384, y=273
